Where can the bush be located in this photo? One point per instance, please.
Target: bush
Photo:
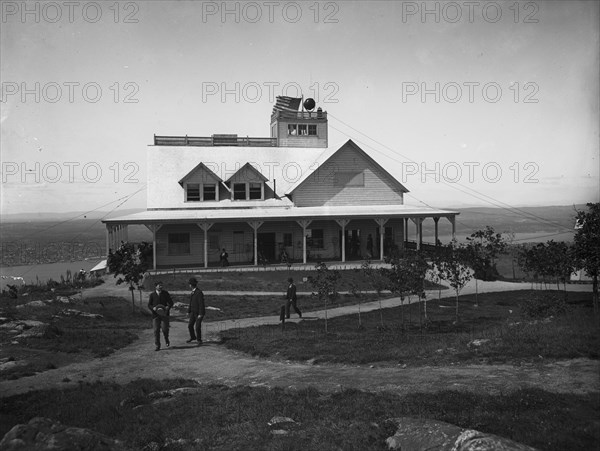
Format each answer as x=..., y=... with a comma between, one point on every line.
x=543, y=305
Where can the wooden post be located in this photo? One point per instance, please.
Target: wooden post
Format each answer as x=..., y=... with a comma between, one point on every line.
x=343, y=223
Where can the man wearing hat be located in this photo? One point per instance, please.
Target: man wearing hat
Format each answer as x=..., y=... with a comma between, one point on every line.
x=160, y=304
x=196, y=311
x=291, y=299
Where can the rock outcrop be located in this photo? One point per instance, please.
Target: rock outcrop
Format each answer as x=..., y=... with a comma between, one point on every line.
x=46, y=434
x=416, y=434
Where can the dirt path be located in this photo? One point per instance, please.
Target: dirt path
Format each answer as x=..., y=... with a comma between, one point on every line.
x=212, y=363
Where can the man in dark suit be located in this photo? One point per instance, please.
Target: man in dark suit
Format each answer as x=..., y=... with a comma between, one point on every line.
x=160, y=304
x=291, y=299
x=196, y=310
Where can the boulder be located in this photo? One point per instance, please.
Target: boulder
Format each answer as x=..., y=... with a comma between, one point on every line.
x=34, y=304
x=73, y=312
x=46, y=434
x=417, y=434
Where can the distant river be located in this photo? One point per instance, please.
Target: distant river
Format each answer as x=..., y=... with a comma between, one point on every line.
x=47, y=271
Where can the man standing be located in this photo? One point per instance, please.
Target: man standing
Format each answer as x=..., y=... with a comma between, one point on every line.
x=196, y=311
x=160, y=304
x=224, y=258
x=291, y=299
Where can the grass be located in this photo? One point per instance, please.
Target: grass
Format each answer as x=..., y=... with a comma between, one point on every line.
x=384, y=338
x=235, y=307
x=221, y=418
x=70, y=338
x=274, y=281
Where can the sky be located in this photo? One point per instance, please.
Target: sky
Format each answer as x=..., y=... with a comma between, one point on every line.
x=466, y=103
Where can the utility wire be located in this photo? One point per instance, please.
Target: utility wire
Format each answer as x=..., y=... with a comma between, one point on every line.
x=473, y=192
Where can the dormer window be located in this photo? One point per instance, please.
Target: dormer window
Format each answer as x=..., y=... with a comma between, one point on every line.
x=256, y=191
x=239, y=191
x=209, y=191
x=194, y=188
x=193, y=192
x=248, y=191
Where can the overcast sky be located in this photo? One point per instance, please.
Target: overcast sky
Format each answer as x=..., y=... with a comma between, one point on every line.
x=498, y=102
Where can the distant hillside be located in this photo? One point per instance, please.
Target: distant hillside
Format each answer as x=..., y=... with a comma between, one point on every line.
x=52, y=216
x=519, y=220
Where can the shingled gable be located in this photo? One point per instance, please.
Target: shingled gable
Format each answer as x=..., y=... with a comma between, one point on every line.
x=327, y=156
x=248, y=167
x=200, y=167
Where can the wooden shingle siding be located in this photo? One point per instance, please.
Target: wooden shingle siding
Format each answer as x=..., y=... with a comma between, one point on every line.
x=320, y=187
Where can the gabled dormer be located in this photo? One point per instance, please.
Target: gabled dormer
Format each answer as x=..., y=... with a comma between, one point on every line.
x=201, y=185
x=247, y=184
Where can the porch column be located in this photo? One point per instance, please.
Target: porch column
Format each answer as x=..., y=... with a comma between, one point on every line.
x=406, y=229
x=381, y=222
x=125, y=233
x=343, y=223
x=304, y=223
x=452, y=220
x=436, y=230
x=205, y=226
x=153, y=228
x=255, y=225
x=108, y=228
x=419, y=234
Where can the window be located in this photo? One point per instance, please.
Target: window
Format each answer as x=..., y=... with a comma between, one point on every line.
x=287, y=239
x=312, y=130
x=316, y=238
x=193, y=192
x=209, y=192
x=255, y=190
x=292, y=129
x=179, y=243
x=239, y=191
x=302, y=131
x=213, y=241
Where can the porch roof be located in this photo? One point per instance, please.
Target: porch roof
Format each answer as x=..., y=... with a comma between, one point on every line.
x=280, y=213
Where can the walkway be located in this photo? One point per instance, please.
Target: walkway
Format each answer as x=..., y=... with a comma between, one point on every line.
x=212, y=363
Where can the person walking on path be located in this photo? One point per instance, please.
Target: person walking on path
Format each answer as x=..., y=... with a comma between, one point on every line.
x=291, y=299
x=160, y=304
x=196, y=310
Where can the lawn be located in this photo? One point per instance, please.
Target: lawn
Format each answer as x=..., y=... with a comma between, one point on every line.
x=273, y=281
x=223, y=418
x=249, y=306
x=401, y=335
x=68, y=338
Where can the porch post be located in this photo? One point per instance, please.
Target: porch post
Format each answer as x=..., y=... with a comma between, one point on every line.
x=153, y=228
x=436, y=230
x=381, y=222
x=255, y=225
x=205, y=226
x=107, y=239
x=419, y=233
x=452, y=220
x=125, y=233
x=343, y=223
x=304, y=223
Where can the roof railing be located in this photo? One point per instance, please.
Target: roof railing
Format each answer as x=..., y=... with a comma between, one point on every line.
x=215, y=140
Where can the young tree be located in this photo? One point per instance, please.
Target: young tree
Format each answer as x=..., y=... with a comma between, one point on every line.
x=559, y=262
x=483, y=249
x=129, y=263
x=587, y=245
x=325, y=282
x=454, y=268
x=378, y=278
